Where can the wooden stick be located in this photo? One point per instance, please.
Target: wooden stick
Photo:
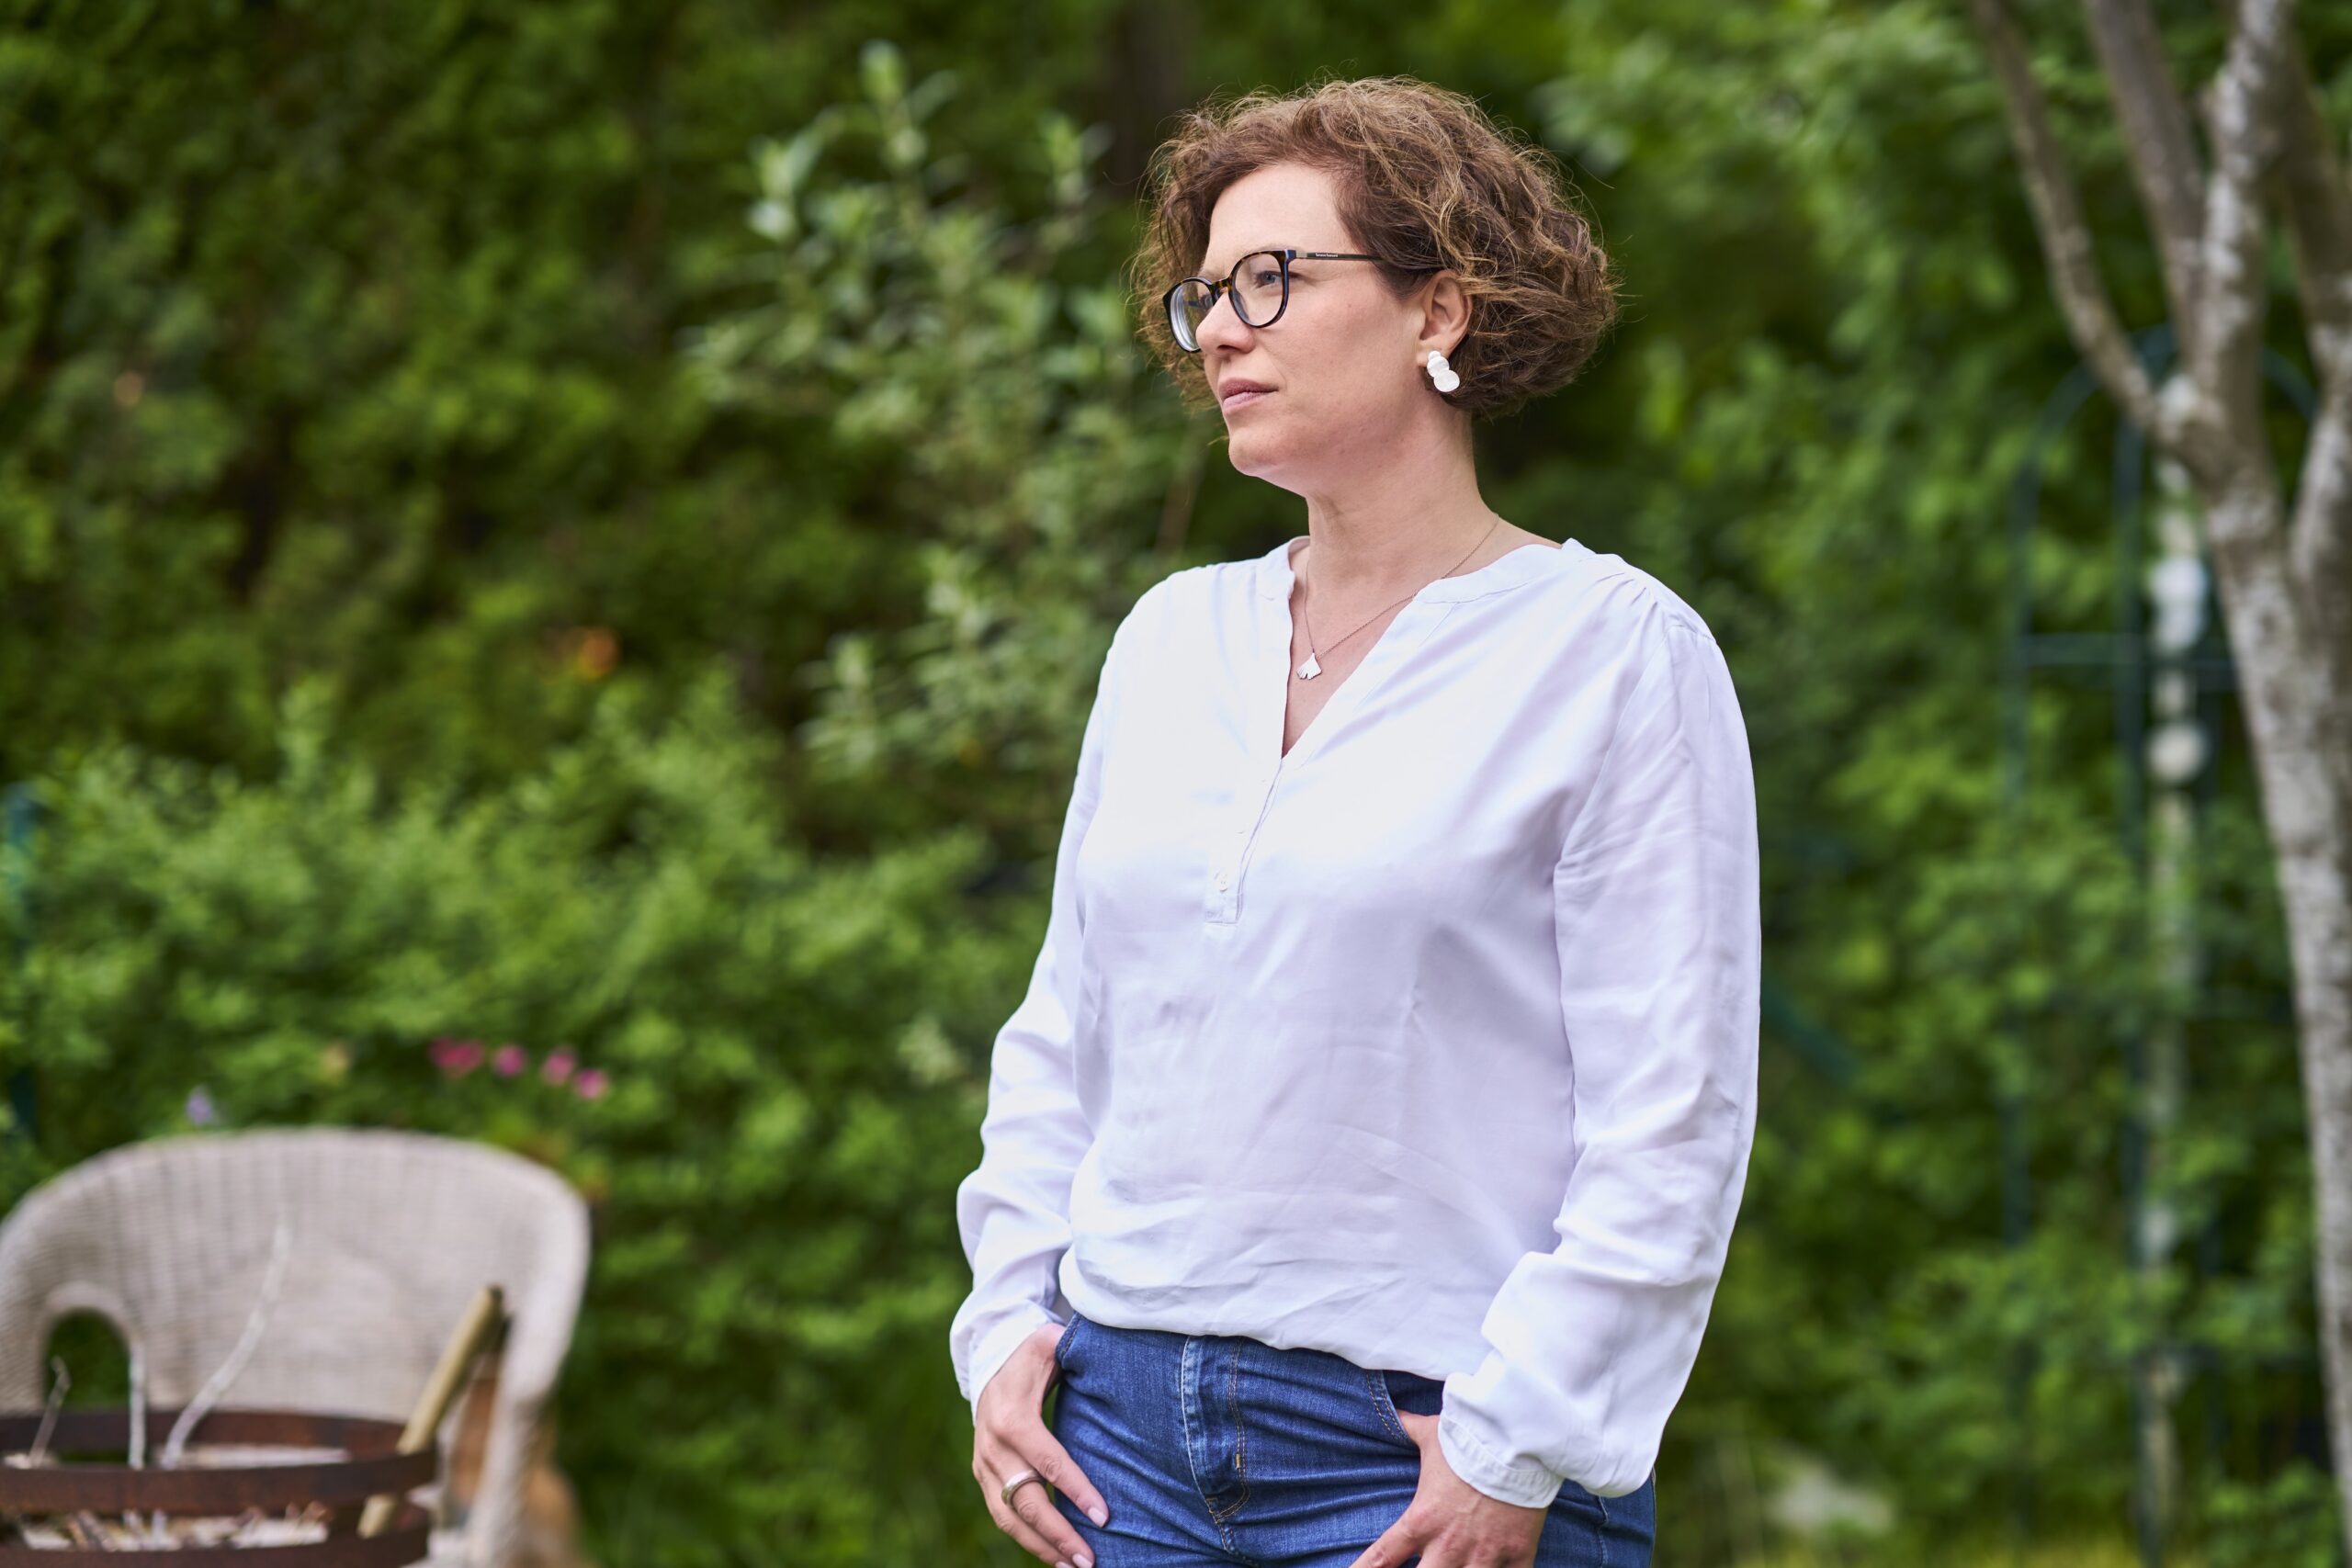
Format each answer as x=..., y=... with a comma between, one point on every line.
x=456, y=1359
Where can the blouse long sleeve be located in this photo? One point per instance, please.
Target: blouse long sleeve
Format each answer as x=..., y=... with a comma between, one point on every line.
x=1013, y=1210
x=1655, y=898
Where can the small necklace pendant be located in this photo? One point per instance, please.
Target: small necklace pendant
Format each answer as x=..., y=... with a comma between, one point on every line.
x=1309, y=670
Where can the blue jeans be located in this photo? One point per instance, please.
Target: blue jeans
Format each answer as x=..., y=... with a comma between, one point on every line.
x=1215, y=1449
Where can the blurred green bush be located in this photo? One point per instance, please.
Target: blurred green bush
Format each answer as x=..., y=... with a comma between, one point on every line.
x=780, y=1100
x=370, y=902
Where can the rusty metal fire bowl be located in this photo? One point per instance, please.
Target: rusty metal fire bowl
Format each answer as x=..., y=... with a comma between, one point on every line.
x=370, y=1465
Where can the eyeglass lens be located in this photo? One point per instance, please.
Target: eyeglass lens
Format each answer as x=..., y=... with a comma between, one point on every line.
x=1256, y=296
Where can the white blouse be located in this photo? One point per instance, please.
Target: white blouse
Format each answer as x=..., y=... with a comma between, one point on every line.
x=1431, y=1044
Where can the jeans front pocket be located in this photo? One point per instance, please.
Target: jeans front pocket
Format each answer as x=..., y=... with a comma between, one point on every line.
x=1410, y=1391
x=1062, y=1344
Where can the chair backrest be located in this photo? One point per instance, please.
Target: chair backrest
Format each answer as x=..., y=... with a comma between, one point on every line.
x=391, y=1234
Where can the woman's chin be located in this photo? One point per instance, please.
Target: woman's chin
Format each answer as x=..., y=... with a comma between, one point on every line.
x=1253, y=451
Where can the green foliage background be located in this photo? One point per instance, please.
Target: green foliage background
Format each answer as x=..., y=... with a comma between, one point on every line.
x=594, y=524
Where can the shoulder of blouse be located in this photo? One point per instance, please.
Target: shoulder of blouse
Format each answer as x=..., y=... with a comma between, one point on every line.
x=1146, y=620
x=1613, y=589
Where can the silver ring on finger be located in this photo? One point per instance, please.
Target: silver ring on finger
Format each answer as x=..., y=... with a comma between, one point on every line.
x=1018, y=1482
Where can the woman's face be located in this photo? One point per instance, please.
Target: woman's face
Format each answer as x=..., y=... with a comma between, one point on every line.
x=1345, y=360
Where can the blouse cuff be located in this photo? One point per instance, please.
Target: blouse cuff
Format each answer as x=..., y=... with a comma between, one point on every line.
x=1524, y=1482
x=997, y=1345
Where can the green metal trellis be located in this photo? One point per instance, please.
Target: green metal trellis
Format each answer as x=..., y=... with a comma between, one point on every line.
x=2120, y=658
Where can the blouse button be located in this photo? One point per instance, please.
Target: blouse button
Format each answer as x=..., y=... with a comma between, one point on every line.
x=1220, y=882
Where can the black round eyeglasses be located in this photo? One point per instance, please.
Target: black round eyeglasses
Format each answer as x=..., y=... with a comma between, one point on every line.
x=1259, y=285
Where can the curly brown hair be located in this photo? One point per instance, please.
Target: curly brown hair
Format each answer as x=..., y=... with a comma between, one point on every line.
x=1426, y=181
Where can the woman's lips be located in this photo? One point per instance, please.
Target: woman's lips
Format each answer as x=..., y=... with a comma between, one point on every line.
x=1241, y=400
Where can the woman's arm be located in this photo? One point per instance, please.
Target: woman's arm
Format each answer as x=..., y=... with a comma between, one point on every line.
x=1013, y=1210
x=1657, y=901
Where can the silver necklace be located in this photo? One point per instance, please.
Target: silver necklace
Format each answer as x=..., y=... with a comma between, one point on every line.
x=1313, y=667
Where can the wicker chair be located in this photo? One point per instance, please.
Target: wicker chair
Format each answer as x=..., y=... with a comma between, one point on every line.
x=392, y=1234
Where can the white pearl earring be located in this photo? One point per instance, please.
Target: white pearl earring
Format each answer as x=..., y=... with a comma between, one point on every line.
x=1442, y=374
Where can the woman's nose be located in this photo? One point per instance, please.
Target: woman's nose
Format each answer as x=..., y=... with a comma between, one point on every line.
x=1223, y=324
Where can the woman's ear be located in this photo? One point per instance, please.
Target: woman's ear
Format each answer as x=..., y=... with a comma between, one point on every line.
x=1445, y=313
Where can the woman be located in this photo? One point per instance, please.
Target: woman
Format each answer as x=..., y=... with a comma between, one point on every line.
x=1362, y=1158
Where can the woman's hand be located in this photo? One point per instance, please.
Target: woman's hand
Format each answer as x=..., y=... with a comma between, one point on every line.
x=1451, y=1523
x=1010, y=1436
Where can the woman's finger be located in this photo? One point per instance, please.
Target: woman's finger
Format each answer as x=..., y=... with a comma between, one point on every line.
x=1037, y=1526
x=1050, y=1458
x=1397, y=1545
x=1033, y=1520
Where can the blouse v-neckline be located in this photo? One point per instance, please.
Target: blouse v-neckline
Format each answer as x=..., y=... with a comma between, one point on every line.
x=1276, y=578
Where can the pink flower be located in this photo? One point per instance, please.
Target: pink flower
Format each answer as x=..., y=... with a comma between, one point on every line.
x=455, y=1058
x=559, y=1065
x=590, y=1084
x=508, y=1060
